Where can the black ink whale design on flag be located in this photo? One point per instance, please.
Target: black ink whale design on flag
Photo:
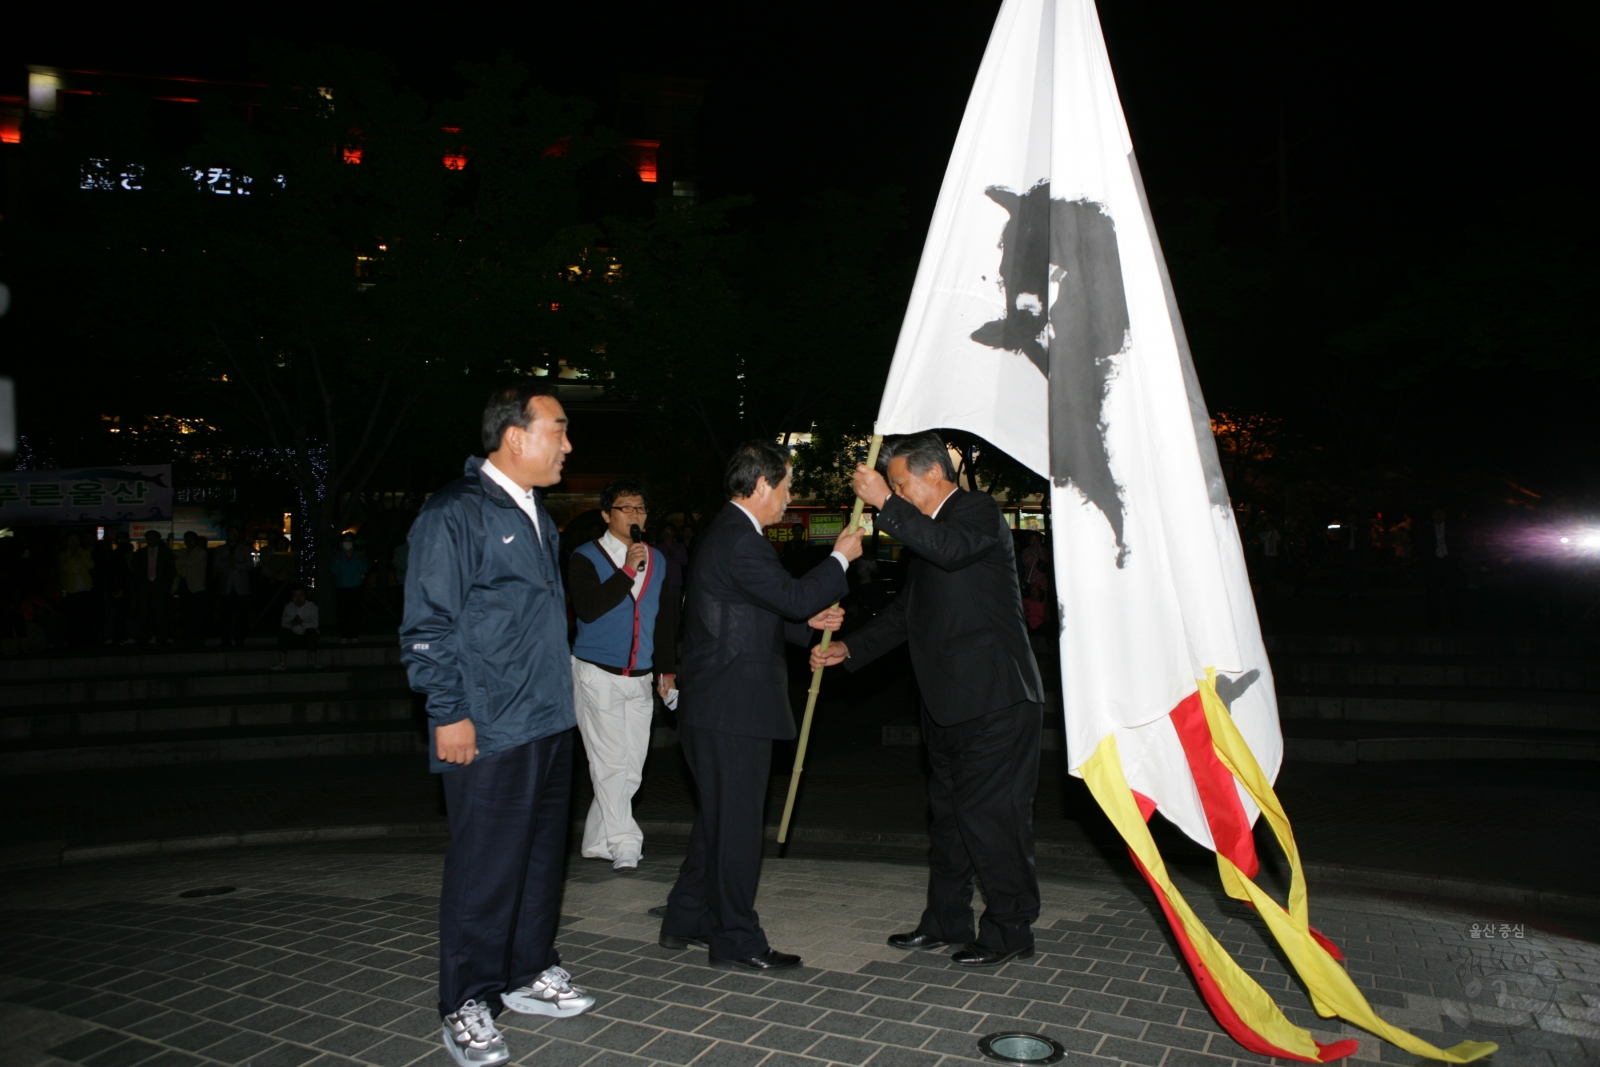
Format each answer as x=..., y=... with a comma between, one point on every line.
x=1073, y=244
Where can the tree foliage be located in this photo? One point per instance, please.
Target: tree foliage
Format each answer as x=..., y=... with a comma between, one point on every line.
x=325, y=281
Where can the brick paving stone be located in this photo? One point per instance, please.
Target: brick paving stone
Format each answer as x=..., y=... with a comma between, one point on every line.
x=844, y=1024
x=950, y=1019
x=352, y=1040
x=845, y=1050
x=786, y=1038
x=731, y=1028
x=205, y=987
x=249, y=1049
x=949, y=998
x=312, y=1029
x=283, y=1056
x=126, y=1054
x=172, y=1058
x=892, y=1056
x=888, y=1008
x=86, y=1045
x=723, y=1054
x=199, y=1037
x=675, y=1048
x=738, y=1004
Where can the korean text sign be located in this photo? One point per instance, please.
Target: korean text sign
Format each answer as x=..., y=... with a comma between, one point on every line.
x=86, y=495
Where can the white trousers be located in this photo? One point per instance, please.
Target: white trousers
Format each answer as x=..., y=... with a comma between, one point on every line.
x=614, y=721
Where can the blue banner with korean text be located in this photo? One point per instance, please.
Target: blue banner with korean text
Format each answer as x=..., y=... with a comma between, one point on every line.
x=86, y=495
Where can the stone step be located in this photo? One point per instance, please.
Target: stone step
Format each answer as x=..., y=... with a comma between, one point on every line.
x=1464, y=706
x=102, y=689
x=1564, y=675
x=1522, y=646
x=157, y=748
x=258, y=655
x=133, y=718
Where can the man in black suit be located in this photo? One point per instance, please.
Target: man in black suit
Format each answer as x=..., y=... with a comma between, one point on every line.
x=961, y=612
x=734, y=702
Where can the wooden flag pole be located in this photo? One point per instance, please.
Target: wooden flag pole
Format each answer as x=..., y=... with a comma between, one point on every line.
x=816, y=675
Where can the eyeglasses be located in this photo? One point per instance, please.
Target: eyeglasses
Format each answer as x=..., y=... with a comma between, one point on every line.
x=631, y=509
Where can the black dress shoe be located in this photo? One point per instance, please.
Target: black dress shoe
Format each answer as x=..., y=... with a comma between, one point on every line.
x=658, y=912
x=770, y=960
x=678, y=944
x=976, y=955
x=915, y=939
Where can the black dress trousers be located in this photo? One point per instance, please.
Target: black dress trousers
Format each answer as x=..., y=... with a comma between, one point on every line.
x=715, y=896
x=501, y=896
x=985, y=772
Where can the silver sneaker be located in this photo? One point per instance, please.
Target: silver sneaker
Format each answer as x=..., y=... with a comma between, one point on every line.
x=552, y=993
x=471, y=1037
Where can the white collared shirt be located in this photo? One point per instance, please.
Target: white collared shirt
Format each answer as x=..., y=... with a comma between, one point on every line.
x=943, y=502
x=762, y=531
x=523, y=497
x=617, y=551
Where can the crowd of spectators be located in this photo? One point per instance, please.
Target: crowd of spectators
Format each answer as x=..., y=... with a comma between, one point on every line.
x=74, y=589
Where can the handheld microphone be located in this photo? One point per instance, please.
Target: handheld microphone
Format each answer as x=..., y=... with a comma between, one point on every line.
x=635, y=533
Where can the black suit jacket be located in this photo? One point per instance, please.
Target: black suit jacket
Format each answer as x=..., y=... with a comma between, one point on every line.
x=166, y=571
x=740, y=605
x=961, y=610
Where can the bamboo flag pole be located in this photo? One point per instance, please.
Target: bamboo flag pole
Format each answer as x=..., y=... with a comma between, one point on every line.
x=816, y=675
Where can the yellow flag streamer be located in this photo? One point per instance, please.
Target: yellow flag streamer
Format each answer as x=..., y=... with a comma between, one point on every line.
x=1333, y=993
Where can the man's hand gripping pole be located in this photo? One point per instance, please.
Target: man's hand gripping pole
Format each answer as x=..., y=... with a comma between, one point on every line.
x=816, y=675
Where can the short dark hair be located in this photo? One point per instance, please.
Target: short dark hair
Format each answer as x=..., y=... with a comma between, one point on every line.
x=920, y=451
x=621, y=487
x=508, y=406
x=752, y=461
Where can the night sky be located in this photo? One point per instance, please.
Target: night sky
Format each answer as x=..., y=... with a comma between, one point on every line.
x=1416, y=145
x=1398, y=119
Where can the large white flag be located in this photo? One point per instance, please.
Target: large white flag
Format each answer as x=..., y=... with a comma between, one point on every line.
x=1043, y=320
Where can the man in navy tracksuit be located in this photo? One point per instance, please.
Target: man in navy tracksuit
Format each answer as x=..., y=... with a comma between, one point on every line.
x=626, y=636
x=485, y=637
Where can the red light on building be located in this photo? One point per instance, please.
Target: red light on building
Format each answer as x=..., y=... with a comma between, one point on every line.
x=352, y=153
x=10, y=120
x=455, y=162
x=643, y=155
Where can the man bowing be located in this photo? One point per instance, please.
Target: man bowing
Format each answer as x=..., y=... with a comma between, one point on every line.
x=734, y=702
x=961, y=612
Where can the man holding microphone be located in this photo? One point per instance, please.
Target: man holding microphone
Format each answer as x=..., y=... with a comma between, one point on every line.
x=626, y=635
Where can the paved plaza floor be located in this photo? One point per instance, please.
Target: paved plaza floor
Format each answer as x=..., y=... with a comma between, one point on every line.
x=325, y=954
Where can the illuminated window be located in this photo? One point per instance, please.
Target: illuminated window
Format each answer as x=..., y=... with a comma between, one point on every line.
x=454, y=158
x=643, y=157
x=352, y=153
